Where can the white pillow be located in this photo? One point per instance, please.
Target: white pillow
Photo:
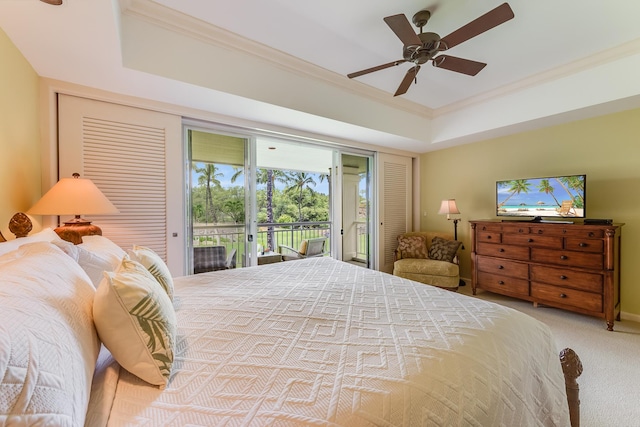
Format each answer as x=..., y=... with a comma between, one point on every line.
x=45, y=235
x=136, y=321
x=93, y=263
x=103, y=246
x=156, y=266
x=48, y=344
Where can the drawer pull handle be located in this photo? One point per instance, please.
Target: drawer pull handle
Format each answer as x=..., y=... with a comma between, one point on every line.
x=500, y=267
x=563, y=277
x=530, y=240
x=563, y=295
x=500, y=282
x=539, y=231
x=501, y=250
x=488, y=237
x=582, y=245
x=564, y=257
x=591, y=234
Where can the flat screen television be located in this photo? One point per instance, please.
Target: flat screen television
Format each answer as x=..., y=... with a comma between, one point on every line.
x=560, y=197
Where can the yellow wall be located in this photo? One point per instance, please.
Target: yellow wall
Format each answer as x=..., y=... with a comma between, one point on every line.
x=606, y=148
x=19, y=134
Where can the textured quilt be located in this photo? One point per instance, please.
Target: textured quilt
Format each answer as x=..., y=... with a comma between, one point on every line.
x=319, y=342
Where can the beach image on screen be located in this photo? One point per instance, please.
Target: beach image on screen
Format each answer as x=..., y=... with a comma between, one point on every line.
x=561, y=196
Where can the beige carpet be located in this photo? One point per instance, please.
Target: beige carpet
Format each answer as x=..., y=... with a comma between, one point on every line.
x=610, y=382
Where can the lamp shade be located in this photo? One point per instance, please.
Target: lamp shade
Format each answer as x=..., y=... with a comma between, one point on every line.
x=73, y=196
x=448, y=207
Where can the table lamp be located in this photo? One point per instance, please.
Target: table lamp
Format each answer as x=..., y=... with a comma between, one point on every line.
x=74, y=196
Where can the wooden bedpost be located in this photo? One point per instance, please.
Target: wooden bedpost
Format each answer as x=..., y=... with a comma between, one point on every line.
x=572, y=368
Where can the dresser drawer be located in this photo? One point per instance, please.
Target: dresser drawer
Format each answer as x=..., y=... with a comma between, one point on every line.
x=591, y=282
x=566, y=297
x=503, y=267
x=503, y=285
x=489, y=236
x=583, y=233
x=568, y=258
x=515, y=229
x=531, y=240
x=584, y=245
x=503, y=251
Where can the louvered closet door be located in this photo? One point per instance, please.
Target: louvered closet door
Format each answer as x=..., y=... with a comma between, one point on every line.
x=135, y=157
x=394, y=205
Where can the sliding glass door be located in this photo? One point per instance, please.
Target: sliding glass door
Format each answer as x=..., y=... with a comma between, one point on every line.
x=220, y=200
x=254, y=199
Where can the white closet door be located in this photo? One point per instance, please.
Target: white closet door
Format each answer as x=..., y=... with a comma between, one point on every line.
x=394, y=205
x=135, y=157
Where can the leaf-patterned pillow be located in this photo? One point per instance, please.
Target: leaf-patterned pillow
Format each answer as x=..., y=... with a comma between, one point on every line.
x=136, y=321
x=156, y=266
x=443, y=249
x=412, y=247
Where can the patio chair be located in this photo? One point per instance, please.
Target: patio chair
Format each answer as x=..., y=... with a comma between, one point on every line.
x=212, y=258
x=308, y=248
x=565, y=209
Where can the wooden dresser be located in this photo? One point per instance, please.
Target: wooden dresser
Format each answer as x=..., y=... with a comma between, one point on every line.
x=570, y=266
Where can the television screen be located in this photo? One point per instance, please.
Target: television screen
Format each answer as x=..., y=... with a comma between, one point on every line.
x=556, y=196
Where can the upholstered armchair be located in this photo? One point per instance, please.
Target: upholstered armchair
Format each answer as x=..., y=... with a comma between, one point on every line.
x=308, y=248
x=428, y=257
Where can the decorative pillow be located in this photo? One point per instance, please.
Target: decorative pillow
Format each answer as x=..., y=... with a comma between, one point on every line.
x=303, y=247
x=45, y=235
x=412, y=246
x=443, y=249
x=156, y=266
x=136, y=322
x=48, y=344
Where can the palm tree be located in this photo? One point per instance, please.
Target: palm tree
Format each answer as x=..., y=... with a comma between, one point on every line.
x=208, y=176
x=515, y=187
x=297, y=182
x=576, y=184
x=546, y=187
x=268, y=177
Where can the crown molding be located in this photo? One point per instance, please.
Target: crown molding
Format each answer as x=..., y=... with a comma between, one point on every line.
x=188, y=26
x=592, y=61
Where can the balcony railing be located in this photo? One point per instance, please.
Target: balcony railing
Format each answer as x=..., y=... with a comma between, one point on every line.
x=232, y=236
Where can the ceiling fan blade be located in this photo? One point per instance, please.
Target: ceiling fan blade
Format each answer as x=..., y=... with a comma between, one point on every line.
x=493, y=18
x=459, y=65
x=400, y=25
x=53, y=2
x=408, y=79
x=378, y=68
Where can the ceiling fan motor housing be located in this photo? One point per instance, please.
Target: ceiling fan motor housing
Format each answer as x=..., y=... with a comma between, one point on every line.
x=423, y=53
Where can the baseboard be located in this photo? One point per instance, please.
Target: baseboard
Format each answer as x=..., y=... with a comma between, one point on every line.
x=630, y=316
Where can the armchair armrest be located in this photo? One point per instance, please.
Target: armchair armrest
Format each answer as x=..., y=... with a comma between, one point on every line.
x=288, y=248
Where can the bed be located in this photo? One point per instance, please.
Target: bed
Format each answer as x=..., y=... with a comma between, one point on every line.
x=314, y=342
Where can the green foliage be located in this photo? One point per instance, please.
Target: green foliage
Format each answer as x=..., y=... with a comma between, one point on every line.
x=297, y=201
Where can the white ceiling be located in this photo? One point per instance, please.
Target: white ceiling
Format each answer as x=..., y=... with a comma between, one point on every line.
x=282, y=64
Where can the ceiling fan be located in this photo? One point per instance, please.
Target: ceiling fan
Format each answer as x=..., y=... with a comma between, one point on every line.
x=423, y=47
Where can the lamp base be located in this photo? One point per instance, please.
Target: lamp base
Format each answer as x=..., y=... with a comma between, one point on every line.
x=72, y=231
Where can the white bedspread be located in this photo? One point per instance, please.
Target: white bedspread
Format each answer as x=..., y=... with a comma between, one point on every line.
x=321, y=342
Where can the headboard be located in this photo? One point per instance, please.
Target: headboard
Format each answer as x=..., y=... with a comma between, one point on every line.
x=20, y=225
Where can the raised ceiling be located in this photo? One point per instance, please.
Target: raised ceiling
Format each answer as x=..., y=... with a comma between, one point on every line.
x=282, y=64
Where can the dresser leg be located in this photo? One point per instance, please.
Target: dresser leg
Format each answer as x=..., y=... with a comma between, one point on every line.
x=609, y=326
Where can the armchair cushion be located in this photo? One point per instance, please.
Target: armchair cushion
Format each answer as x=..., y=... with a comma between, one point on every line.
x=412, y=247
x=443, y=250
